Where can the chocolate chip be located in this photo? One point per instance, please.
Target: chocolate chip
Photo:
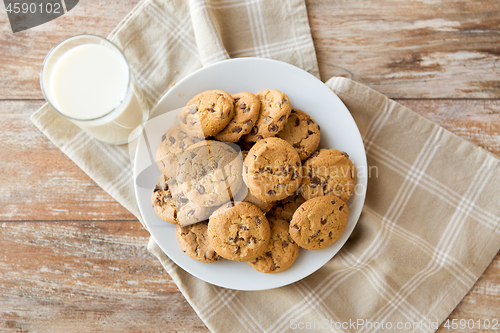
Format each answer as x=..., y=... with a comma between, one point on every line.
x=237, y=239
x=323, y=221
x=275, y=267
x=271, y=192
x=295, y=227
x=321, y=240
x=248, y=122
x=246, y=110
x=163, y=137
x=184, y=120
x=333, y=202
x=157, y=188
x=330, y=234
x=297, y=163
x=258, y=221
x=259, y=137
x=315, y=154
x=310, y=121
x=345, y=154
x=284, y=100
x=193, y=123
x=279, y=104
x=268, y=119
x=316, y=180
x=341, y=207
x=282, y=119
x=284, y=170
x=319, y=128
x=191, y=213
x=222, y=114
x=193, y=109
x=211, y=110
x=236, y=99
x=254, y=156
x=183, y=199
x=273, y=128
x=285, y=244
x=237, y=249
x=297, y=122
x=243, y=106
x=297, y=146
x=229, y=113
x=182, y=144
x=243, y=227
x=310, y=132
x=269, y=254
x=200, y=188
x=237, y=129
x=295, y=175
x=316, y=234
x=255, y=130
x=216, y=165
x=313, y=185
x=171, y=139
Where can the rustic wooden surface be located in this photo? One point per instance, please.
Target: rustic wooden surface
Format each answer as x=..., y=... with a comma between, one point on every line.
x=72, y=259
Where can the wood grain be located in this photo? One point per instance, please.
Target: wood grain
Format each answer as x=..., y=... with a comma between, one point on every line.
x=40, y=182
x=410, y=49
x=86, y=277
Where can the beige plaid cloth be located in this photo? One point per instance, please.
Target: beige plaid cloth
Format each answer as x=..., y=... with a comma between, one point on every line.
x=430, y=224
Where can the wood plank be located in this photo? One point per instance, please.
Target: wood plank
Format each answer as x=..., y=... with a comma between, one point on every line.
x=86, y=277
x=411, y=49
x=42, y=184
x=38, y=181
x=98, y=276
x=414, y=49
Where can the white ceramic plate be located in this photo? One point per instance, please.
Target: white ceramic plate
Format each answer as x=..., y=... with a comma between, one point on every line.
x=338, y=130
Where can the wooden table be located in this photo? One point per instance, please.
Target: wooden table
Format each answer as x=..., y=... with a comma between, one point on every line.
x=72, y=259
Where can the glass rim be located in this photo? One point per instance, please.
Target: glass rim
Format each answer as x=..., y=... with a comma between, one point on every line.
x=50, y=53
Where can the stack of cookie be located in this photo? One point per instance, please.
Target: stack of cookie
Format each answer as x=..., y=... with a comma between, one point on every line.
x=242, y=179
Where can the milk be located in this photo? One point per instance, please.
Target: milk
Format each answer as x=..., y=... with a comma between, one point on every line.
x=91, y=84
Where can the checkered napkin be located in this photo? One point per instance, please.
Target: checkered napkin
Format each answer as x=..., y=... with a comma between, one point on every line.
x=430, y=224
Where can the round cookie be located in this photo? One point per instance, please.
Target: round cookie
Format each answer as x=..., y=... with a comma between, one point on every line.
x=319, y=222
x=193, y=241
x=328, y=172
x=163, y=202
x=209, y=172
x=302, y=132
x=173, y=143
x=207, y=113
x=272, y=169
x=286, y=208
x=281, y=251
x=239, y=233
x=247, y=109
x=172, y=206
x=275, y=108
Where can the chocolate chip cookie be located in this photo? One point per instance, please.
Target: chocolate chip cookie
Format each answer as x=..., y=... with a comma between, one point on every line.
x=207, y=113
x=209, y=172
x=163, y=202
x=275, y=108
x=302, y=132
x=173, y=206
x=328, y=172
x=281, y=251
x=193, y=241
x=286, y=208
x=173, y=143
x=239, y=233
x=272, y=169
x=247, y=109
x=319, y=222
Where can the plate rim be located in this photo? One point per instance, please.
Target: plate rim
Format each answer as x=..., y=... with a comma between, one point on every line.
x=171, y=93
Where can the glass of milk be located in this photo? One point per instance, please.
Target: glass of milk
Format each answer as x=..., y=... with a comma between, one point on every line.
x=88, y=80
